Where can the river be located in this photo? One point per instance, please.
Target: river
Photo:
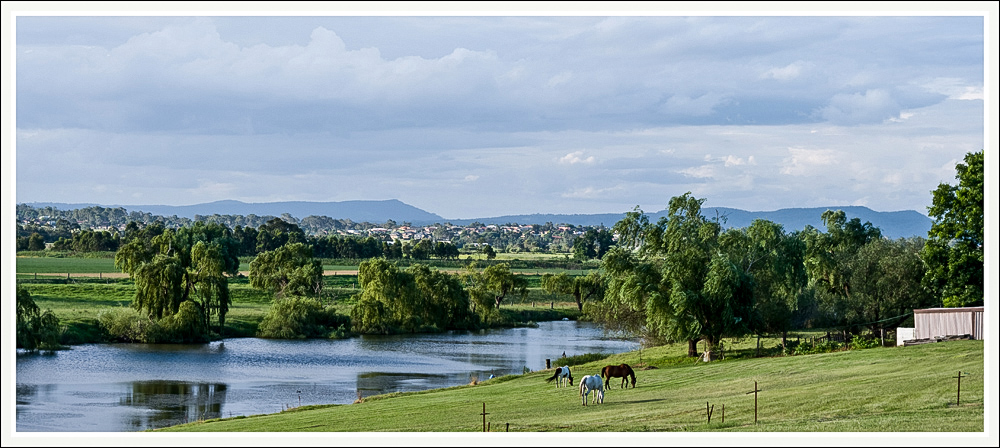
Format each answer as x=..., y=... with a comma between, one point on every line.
x=134, y=387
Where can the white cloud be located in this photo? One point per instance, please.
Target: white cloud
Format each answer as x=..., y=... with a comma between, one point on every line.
x=872, y=106
x=695, y=106
x=589, y=192
x=804, y=162
x=738, y=161
x=471, y=178
x=788, y=72
x=701, y=172
x=955, y=88
x=576, y=157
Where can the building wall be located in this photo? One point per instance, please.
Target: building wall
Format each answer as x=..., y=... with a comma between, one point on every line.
x=938, y=322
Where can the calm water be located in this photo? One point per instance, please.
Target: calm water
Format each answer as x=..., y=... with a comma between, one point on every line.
x=133, y=387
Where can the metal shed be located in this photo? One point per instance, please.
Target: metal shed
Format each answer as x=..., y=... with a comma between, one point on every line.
x=940, y=322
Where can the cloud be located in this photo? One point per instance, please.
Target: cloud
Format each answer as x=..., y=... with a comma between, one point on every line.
x=872, y=106
x=788, y=72
x=805, y=162
x=699, y=106
x=185, y=108
x=576, y=157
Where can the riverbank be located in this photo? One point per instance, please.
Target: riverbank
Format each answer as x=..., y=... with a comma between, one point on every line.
x=77, y=300
x=898, y=389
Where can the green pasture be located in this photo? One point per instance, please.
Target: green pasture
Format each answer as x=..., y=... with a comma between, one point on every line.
x=898, y=389
x=73, y=265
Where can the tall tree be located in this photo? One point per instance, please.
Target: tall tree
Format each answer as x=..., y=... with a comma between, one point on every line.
x=773, y=261
x=885, y=279
x=829, y=255
x=580, y=287
x=674, y=274
x=288, y=270
x=170, y=267
x=954, y=249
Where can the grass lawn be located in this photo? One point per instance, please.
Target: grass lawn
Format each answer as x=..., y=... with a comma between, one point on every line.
x=899, y=389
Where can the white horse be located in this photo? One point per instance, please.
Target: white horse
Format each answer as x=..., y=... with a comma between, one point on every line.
x=592, y=383
x=562, y=373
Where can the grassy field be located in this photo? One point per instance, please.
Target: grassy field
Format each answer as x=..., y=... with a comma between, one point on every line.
x=899, y=389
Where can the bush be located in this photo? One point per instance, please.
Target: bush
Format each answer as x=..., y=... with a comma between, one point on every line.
x=125, y=324
x=579, y=359
x=822, y=347
x=297, y=317
x=859, y=342
x=184, y=327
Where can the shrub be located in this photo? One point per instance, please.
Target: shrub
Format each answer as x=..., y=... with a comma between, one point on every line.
x=125, y=324
x=859, y=342
x=297, y=317
x=579, y=359
x=185, y=326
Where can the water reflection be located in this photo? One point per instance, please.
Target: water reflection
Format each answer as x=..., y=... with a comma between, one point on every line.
x=173, y=402
x=376, y=383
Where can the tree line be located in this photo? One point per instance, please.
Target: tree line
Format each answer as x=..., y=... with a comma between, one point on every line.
x=682, y=278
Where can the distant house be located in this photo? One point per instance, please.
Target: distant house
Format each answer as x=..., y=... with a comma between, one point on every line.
x=933, y=323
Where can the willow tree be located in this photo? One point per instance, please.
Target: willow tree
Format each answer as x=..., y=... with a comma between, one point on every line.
x=413, y=300
x=288, y=270
x=581, y=288
x=674, y=276
x=773, y=262
x=170, y=267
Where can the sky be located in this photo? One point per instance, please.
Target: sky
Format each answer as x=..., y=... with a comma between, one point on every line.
x=496, y=112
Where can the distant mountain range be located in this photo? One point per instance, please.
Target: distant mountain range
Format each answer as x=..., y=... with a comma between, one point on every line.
x=893, y=224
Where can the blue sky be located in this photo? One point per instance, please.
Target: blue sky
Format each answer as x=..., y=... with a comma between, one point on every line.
x=487, y=113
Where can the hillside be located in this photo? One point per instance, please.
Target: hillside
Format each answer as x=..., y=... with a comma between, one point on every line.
x=897, y=389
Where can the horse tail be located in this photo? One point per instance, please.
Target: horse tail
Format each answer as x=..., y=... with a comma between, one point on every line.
x=554, y=375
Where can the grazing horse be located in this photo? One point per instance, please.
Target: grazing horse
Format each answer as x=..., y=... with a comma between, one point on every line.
x=592, y=383
x=622, y=370
x=562, y=373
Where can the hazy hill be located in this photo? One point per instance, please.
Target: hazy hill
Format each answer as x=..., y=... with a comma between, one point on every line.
x=893, y=224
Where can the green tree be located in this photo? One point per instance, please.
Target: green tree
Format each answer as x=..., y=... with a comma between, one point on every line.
x=594, y=243
x=288, y=270
x=170, y=267
x=36, y=330
x=773, y=262
x=415, y=300
x=675, y=275
x=501, y=282
x=830, y=259
x=954, y=248
x=885, y=279
x=297, y=317
x=36, y=242
x=581, y=288
x=488, y=251
x=278, y=232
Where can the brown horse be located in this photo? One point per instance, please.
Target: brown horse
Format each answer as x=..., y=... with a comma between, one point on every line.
x=623, y=370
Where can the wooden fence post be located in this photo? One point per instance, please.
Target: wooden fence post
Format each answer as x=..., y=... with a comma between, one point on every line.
x=484, y=414
x=958, y=398
x=754, y=392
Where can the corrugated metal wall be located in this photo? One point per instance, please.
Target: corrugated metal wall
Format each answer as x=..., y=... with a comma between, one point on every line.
x=937, y=322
